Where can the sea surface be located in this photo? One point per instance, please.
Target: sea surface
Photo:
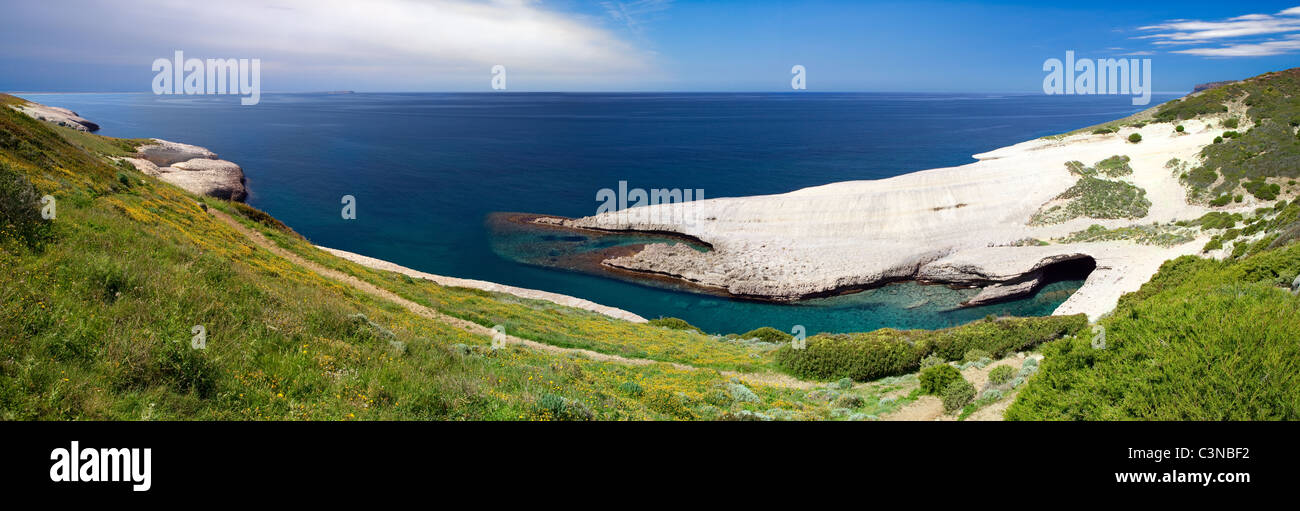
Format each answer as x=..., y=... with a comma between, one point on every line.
x=427, y=170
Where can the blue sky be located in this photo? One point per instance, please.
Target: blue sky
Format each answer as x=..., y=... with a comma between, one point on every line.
x=650, y=45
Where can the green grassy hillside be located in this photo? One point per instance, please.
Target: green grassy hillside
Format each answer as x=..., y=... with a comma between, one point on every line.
x=100, y=305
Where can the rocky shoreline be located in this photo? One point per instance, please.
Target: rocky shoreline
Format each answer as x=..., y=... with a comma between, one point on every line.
x=959, y=226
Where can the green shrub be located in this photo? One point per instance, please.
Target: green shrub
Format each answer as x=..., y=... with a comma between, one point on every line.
x=1231, y=134
x=1135, y=138
x=1231, y=122
x=931, y=361
x=1093, y=197
x=767, y=334
x=562, y=408
x=631, y=388
x=862, y=357
x=1263, y=190
x=935, y=379
x=1002, y=374
x=20, y=210
x=741, y=393
x=1161, y=337
x=673, y=323
x=974, y=355
x=1179, y=128
x=888, y=352
x=1115, y=166
x=957, y=394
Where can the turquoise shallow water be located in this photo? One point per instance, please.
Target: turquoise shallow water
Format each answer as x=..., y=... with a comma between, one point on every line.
x=427, y=170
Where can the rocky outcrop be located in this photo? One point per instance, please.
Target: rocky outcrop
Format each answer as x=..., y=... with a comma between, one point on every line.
x=960, y=225
x=193, y=168
x=56, y=115
x=163, y=153
x=1211, y=85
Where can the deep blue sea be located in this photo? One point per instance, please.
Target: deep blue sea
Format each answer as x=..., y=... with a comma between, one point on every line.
x=427, y=169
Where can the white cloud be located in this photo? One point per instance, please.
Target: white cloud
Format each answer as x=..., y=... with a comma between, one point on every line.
x=1274, y=47
x=1233, y=35
x=412, y=42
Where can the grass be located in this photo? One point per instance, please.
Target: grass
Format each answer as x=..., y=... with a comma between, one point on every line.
x=539, y=320
x=888, y=352
x=1092, y=197
x=1203, y=340
x=1269, y=149
x=1160, y=235
x=97, y=324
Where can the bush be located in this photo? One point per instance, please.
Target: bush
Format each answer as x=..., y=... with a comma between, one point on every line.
x=1002, y=374
x=673, y=323
x=935, y=379
x=562, y=408
x=974, y=355
x=20, y=213
x=1263, y=190
x=957, y=394
x=1179, y=128
x=1093, y=197
x=1231, y=122
x=931, y=361
x=767, y=334
x=1218, y=140
x=888, y=352
x=1192, y=311
x=1135, y=138
x=741, y=393
x=631, y=388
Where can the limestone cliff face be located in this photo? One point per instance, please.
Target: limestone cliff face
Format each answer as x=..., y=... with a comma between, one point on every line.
x=56, y=115
x=955, y=225
x=193, y=168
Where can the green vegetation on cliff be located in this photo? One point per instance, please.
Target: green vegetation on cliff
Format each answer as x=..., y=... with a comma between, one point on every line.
x=1203, y=340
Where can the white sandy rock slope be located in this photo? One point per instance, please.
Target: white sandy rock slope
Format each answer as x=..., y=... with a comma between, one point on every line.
x=56, y=115
x=957, y=224
x=193, y=168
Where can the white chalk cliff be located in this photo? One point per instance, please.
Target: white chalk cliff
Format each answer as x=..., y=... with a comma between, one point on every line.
x=952, y=225
x=56, y=115
x=193, y=168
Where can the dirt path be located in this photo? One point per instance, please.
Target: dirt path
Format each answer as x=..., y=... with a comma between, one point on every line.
x=930, y=408
x=475, y=328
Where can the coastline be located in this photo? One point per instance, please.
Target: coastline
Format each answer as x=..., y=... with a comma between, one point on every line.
x=533, y=294
x=965, y=225
x=956, y=226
